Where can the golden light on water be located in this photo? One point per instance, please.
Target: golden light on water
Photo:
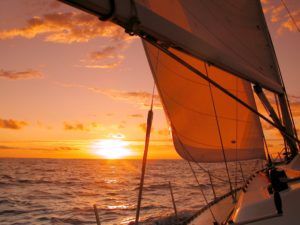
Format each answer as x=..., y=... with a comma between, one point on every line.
x=112, y=149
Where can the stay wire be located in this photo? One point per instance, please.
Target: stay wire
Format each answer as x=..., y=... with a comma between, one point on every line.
x=155, y=68
x=202, y=192
x=199, y=185
x=290, y=15
x=219, y=132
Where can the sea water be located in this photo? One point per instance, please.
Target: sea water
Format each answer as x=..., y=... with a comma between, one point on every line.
x=63, y=191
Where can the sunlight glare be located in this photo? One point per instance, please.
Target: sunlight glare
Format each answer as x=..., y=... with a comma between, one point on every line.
x=111, y=149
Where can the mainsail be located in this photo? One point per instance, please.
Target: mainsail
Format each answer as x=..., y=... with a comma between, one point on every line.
x=229, y=39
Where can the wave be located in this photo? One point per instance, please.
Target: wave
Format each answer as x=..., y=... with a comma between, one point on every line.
x=64, y=191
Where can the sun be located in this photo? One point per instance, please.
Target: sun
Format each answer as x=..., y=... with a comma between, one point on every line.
x=111, y=149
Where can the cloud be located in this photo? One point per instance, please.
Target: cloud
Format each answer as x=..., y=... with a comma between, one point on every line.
x=75, y=27
x=80, y=126
x=108, y=57
x=164, y=132
x=12, y=124
x=141, y=98
x=279, y=15
x=107, y=53
x=75, y=127
x=20, y=75
x=103, y=66
x=67, y=27
x=136, y=115
x=65, y=148
x=58, y=148
x=143, y=126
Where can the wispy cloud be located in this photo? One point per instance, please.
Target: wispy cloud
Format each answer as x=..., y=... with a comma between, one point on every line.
x=141, y=98
x=20, y=75
x=12, y=124
x=58, y=148
x=80, y=126
x=108, y=57
x=143, y=126
x=75, y=27
x=136, y=115
x=164, y=132
x=67, y=27
x=279, y=15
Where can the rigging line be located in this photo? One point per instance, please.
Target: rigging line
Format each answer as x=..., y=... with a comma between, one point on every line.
x=219, y=132
x=192, y=158
x=155, y=68
x=202, y=192
x=197, y=72
x=236, y=131
x=275, y=59
x=199, y=112
x=267, y=150
x=290, y=15
x=179, y=75
x=280, y=118
x=158, y=89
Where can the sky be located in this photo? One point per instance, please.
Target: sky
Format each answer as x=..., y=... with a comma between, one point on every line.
x=74, y=87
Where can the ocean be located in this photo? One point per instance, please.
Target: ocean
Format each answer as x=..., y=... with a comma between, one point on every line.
x=63, y=191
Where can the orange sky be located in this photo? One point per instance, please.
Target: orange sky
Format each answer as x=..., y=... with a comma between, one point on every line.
x=69, y=81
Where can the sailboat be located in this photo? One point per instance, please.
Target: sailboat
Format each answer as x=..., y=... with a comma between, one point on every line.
x=208, y=59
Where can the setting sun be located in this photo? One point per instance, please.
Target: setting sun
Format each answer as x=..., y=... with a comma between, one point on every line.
x=111, y=149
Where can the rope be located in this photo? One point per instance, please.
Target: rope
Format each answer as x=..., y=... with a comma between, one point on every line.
x=219, y=132
x=290, y=15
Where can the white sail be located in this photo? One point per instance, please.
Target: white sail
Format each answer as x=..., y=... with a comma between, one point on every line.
x=228, y=34
x=188, y=103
